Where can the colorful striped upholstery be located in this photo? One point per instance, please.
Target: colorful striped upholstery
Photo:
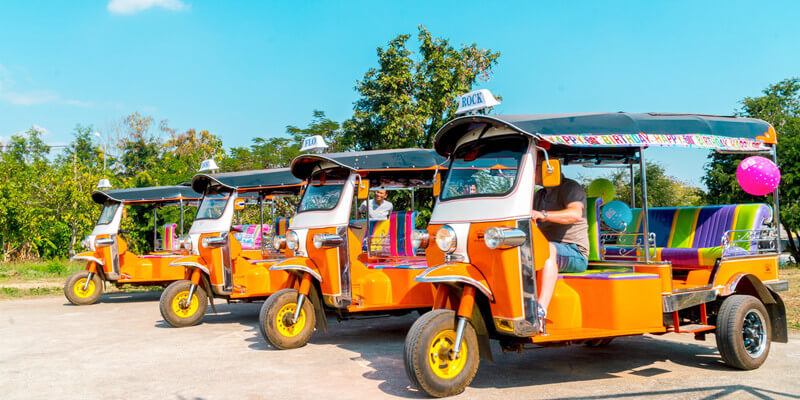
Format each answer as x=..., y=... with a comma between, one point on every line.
x=593, y=206
x=282, y=225
x=392, y=237
x=169, y=240
x=692, y=236
x=249, y=238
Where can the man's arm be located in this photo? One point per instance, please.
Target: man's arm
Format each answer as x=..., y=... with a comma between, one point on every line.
x=570, y=215
x=363, y=207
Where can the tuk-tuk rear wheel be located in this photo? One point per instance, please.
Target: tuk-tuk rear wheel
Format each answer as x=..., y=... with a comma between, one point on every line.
x=429, y=344
x=73, y=288
x=276, y=320
x=743, y=332
x=176, y=307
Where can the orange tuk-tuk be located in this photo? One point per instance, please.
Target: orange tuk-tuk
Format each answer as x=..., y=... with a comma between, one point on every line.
x=697, y=270
x=110, y=260
x=230, y=261
x=340, y=263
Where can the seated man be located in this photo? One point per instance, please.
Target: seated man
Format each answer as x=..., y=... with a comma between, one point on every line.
x=561, y=215
x=379, y=208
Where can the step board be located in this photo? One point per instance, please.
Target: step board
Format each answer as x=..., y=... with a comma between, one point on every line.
x=694, y=328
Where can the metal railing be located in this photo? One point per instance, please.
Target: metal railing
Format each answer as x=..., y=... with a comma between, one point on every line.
x=628, y=245
x=740, y=242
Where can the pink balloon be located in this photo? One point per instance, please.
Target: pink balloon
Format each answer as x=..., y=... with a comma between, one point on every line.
x=758, y=175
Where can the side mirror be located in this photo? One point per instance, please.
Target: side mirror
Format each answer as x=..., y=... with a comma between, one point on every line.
x=551, y=173
x=363, y=189
x=437, y=184
x=239, y=205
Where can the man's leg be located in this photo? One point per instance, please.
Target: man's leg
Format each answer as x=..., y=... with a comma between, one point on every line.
x=548, y=277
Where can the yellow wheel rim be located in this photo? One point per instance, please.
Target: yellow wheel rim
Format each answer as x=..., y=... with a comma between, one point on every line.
x=77, y=288
x=180, y=299
x=439, y=355
x=286, y=313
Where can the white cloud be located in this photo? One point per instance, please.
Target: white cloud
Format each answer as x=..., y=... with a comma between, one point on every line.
x=31, y=97
x=129, y=7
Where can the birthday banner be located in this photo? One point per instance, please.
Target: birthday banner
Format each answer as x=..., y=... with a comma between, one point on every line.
x=643, y=139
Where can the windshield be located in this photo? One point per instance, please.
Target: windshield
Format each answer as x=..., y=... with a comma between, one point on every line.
x=485, y=168
x=108, y=214
x=319, y=196
x=213, y=205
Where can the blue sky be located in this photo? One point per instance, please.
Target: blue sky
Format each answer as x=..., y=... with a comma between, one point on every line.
x=248, y=69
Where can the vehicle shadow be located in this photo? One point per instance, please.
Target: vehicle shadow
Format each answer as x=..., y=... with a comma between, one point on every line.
x=245, y=314
x=124, y=297
x=380, y=346
x=714, y=392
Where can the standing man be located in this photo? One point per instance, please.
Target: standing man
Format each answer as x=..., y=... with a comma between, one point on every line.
x=379, y=207
x=560, y=213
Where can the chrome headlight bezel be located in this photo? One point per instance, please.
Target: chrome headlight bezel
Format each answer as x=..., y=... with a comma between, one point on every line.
x=327, y=240
x=420, y=239
x=292, y=240
x=213, y=242
x=186, y=243
x=104, y=242
x=501, y=237
x=446, y=239
x=279, y=243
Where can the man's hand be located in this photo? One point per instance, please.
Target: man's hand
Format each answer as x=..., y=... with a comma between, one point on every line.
x=537, y=215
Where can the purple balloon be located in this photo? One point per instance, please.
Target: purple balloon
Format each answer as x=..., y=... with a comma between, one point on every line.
x=758, y=175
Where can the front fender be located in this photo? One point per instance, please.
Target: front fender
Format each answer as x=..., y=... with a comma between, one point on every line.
x=87, y=256
x=457, y=272
x=751, y=285
x=303, y=264
x=191, y=262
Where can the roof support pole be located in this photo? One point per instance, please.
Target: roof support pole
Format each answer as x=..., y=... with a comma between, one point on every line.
x=633, y=187
x=155, y=228
x=261, y=221
x=646, y=226
x=181, y=217
x=777, y=218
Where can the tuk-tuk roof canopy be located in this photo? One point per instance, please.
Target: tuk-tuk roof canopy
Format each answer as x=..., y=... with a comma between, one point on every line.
x=154, y=194
x=367, y=161
x=621, y=130
x=264, y=180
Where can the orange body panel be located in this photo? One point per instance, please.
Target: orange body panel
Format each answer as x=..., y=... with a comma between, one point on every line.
x=664, y=272
x=326, y=261
x=617, y=304
x=137, y=269
x=764, y=268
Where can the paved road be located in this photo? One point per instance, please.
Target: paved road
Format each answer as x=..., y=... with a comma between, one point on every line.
x=121, y=349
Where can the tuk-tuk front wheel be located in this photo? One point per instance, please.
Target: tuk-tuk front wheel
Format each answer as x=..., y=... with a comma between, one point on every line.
x=277, y=324
x=743, y=332
x=429, y=354
x=78, y=293
x=176, y=307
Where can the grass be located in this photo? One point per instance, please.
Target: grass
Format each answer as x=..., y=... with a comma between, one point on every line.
x=792, y=297
x=13, y=293
x=25, y=271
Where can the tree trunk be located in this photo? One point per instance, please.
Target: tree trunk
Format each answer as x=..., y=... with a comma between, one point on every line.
x=792, y=245
x=72, y=238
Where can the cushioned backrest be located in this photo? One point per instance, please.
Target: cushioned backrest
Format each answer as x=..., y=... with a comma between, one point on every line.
x=712, y=222
x=401, y=225
x=660, y=222
x=750, y=217
x=169, y=240
x=593, y=206
x=682, y=231
x=281, y=225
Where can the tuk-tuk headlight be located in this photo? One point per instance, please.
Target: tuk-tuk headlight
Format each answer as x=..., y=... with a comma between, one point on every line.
x=186, y=243
x=292, y=240
x=503, y=238
x=446, y=239
x=420, y=239
x=322, y=240
x=85, y=243
x=279, y=243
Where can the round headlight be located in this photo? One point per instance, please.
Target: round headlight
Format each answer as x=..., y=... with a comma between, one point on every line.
x=186, y=243
x=292, y=240
x=446, y=239
x=279, y=242
x=492, y=238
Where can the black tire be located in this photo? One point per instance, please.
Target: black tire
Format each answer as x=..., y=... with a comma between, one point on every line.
x=273, y=323
x=599, y=342
x=740, y=348
x=172, y=293
x=76, y=296
x=418, y=347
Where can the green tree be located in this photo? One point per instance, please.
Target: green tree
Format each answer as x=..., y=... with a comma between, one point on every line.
x=779, y=105
x=404, y=102
x=662, y=190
